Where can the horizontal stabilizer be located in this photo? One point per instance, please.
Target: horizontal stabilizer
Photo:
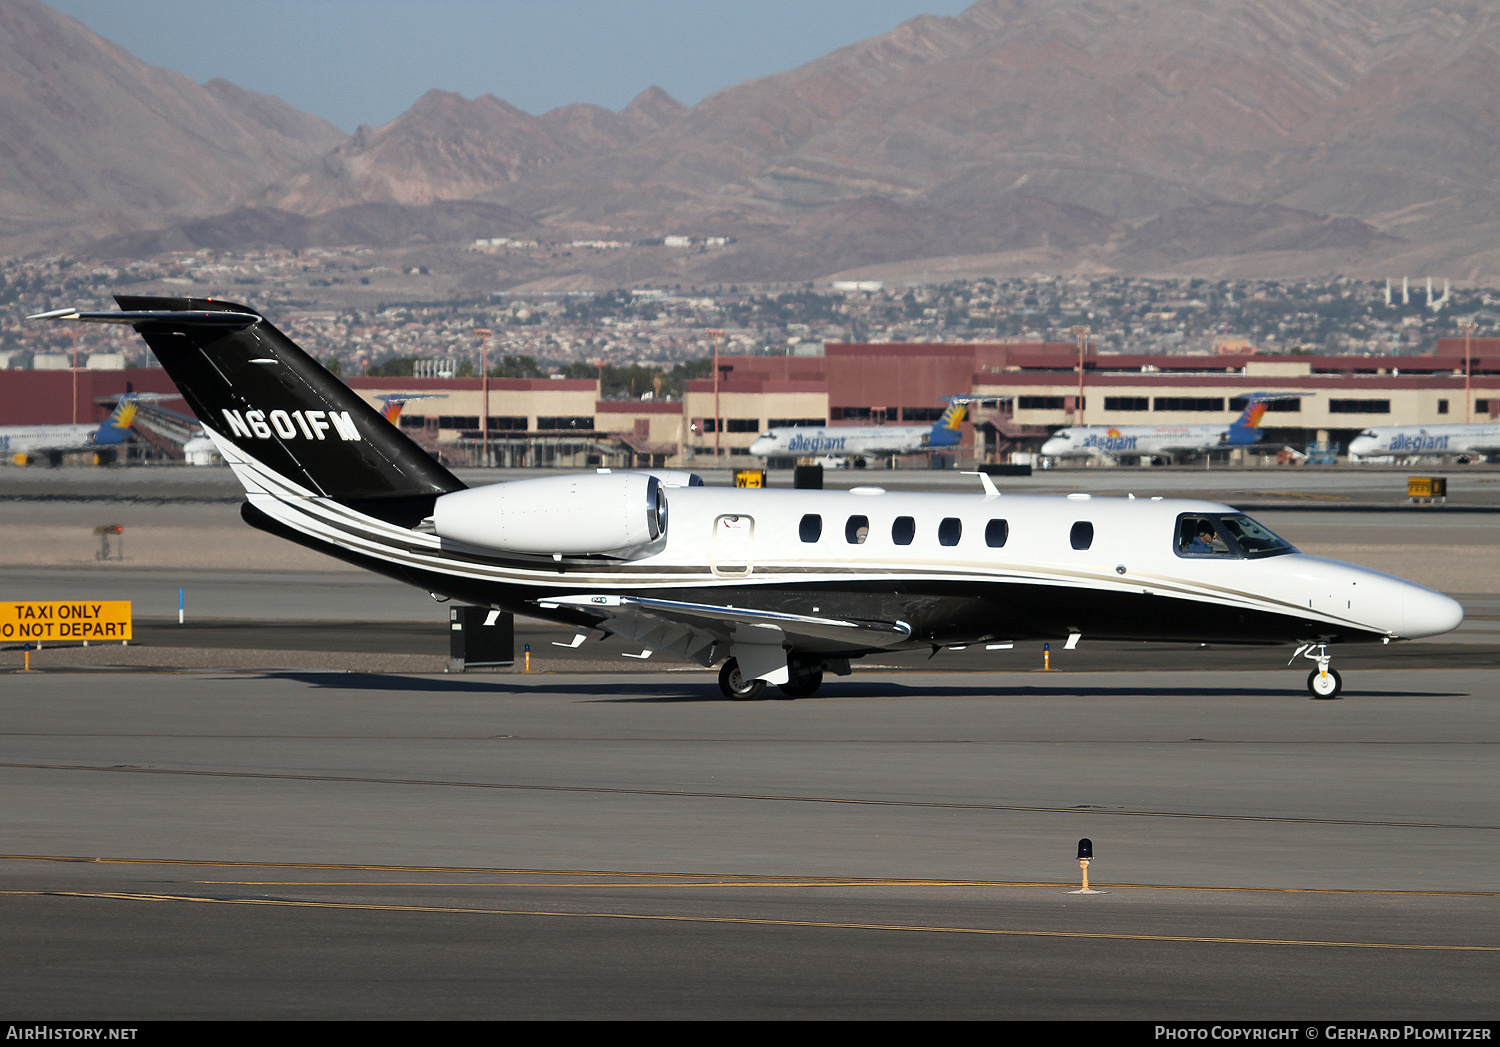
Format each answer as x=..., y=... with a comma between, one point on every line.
x=146, y=316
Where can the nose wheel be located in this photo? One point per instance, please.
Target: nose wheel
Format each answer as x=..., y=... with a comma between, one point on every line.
x=1322, y=682
x=1325, y=684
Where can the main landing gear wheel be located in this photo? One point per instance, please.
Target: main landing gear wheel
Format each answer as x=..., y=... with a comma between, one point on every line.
x=803, y=685
x=1325, y=684
x=736, y=686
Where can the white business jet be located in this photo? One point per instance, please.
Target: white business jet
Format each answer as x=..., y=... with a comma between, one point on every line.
x=776, y=586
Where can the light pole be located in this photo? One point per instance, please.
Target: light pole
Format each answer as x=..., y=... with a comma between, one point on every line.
x=1081, y=333
x=1468, y=329
x=718, y=423
x=74, y=335
x=484, y=395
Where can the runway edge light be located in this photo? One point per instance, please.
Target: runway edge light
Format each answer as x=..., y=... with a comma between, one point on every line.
x=1086, y=855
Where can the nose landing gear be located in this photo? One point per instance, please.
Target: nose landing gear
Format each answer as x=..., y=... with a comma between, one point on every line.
x=1322, y=682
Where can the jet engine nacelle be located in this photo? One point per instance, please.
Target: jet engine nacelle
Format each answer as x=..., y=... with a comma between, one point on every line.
x=590, y=514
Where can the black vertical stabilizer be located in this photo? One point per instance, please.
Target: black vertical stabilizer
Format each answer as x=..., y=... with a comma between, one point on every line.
x=253, y=386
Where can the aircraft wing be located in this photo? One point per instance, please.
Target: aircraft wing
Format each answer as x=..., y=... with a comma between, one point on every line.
x=691, y=630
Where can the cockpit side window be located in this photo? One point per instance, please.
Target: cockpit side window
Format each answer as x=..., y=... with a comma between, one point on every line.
x=1199, y=536
x=1226, y=536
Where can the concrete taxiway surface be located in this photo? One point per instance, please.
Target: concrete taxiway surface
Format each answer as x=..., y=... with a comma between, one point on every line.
x=306, y=844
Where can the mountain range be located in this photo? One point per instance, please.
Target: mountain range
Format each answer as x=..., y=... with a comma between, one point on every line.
x=1249, y=137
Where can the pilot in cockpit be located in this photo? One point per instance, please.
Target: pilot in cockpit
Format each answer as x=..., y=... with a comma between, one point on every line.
x=1199, y=536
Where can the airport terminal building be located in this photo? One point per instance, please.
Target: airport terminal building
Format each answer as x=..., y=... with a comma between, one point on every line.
x=1022, y=392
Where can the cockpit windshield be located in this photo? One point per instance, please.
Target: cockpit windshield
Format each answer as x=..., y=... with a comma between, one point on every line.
x=1227, y=535
x=1255, y=539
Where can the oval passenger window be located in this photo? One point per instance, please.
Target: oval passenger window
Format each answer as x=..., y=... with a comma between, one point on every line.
x=1082, y=535
x=857, y=530
x=950, y=530
x=811, y=528
x=995, y=533
x=903, y=530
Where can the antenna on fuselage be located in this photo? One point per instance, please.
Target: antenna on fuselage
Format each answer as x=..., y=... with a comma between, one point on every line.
x=990, y=490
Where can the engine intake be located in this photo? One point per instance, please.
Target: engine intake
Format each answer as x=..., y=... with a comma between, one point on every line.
x=612, y=514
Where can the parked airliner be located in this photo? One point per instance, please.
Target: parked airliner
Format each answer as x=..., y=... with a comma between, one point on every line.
x=860, y=441
x=1114, y=441
x=54, y=441
x=1467, y=439
x=776, y=586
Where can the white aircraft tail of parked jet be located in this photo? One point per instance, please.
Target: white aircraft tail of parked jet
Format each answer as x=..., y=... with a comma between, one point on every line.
x=859, y=441
x=776, y=586
x=1111, y=441
x=1476, y=439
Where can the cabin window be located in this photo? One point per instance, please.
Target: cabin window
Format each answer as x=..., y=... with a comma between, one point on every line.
x=950, y=531
x=995, y=533
x=811, y=528
x=857, y=529
x=1082, y=535
x=903, y=530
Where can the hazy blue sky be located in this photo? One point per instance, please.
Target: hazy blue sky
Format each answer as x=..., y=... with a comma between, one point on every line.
x=365, y=61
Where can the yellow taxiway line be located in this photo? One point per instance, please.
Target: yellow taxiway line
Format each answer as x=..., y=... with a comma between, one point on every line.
x=758, y=922
x=685, y=879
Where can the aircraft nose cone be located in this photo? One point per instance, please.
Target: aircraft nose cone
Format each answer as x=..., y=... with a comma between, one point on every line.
x=1054, y=447
x=1426, y=613
x=1362, y=446
x=761, y=448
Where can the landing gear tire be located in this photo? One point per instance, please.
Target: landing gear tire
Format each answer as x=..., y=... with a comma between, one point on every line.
x=1325, y=685
x=736, y=686
x=803, y=685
